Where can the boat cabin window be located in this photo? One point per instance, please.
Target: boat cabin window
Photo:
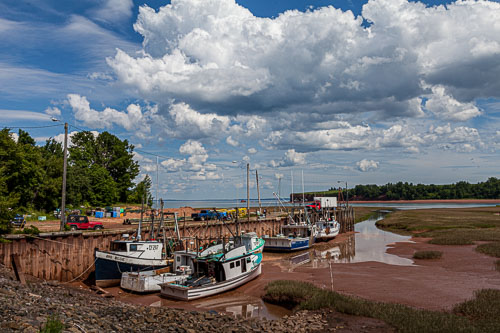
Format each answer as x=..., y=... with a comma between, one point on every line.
x=133, y=247
x=248, y=259
x=238, y=263
x=178, y=258
x=231, y=265
x=119, y=247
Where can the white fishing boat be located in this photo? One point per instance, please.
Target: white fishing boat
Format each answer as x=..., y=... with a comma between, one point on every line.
x=130, y=255
x=127, y=256
x=327, y=229
x=220, y=268
x=149, y=281
x=293, y=237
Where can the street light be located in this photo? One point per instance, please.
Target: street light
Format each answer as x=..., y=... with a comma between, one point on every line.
x=346, y=191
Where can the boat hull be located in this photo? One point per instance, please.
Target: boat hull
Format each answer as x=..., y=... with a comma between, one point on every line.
x=325, y=237
x=141, y=283
x=186, y=294
x=282, y=244
x=109, y=267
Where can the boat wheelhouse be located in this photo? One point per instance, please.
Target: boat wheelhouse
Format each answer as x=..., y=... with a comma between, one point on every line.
x=327, y=229
x=150, y=281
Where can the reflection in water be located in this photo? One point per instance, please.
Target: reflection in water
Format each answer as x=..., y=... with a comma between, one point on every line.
x=368, y=244
x=236, y=304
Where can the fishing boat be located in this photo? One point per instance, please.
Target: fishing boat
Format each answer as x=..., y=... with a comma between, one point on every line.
x=327, y=229
x=220, y=268
x=294, y=236
x=127, y=256
x=149, y=281
x=131, y=255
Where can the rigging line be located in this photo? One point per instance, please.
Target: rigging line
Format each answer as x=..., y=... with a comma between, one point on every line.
x=135, y=149
x=22, y=127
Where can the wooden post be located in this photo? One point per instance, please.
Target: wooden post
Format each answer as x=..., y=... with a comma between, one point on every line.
x=18, y=269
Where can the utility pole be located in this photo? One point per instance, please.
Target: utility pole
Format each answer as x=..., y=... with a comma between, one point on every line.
x=248, y=192
x=258, y=190
x=65, y=162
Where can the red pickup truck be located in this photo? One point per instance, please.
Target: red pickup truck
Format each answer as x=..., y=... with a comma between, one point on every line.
x=81, y=222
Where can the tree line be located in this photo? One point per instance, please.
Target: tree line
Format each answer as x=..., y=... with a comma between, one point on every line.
x=100, y=172
x=489, y=189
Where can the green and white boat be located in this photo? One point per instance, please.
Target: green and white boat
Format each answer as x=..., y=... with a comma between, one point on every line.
x=220, y=268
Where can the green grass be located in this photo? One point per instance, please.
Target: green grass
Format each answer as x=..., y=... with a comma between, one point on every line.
x=306, y=296
x=491, y=249
x=497, y=265
x=484, y=306
x=452, y=226
x=427, y=255
x=53, y=325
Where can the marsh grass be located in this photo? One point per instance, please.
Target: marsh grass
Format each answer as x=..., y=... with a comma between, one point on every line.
x=497, y=265
x=491, y=249
x=403, y=318
x=453, y=226
x=53, y=325
x=484, y=306
x=427, y=255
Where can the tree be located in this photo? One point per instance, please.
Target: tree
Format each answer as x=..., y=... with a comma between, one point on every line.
x=143, y=188
x=102, y=169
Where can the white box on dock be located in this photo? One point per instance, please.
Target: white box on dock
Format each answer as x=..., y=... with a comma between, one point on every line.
x=327, y=202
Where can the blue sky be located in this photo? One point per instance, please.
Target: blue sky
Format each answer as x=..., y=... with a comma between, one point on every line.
x=364, y=92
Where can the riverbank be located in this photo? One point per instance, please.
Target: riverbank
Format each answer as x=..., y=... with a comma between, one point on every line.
x=434, y=201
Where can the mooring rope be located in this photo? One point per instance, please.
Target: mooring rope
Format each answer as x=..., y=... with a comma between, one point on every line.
x=85, y=271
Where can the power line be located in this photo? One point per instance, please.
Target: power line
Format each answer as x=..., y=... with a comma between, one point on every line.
x=23, y=127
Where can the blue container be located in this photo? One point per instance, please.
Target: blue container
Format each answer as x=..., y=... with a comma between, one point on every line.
x=99, y=215
x=115, y=214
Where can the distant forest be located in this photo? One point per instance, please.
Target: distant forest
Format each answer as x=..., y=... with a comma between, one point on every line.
x=489, y=189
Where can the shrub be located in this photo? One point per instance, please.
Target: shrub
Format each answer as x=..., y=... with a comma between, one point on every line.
x=491, y=249
x=31, y=230
x=427, y=255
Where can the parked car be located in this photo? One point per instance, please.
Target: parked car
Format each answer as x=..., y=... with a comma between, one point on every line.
x=18, y=221
x=206, y=214
x=82, y=222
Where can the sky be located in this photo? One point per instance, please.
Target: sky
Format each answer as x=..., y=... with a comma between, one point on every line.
x=356, y=92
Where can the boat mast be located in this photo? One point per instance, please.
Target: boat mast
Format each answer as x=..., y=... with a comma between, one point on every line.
x=139, y=227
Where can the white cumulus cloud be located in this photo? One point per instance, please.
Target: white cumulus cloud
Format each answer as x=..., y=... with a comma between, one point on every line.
x=367, y=165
